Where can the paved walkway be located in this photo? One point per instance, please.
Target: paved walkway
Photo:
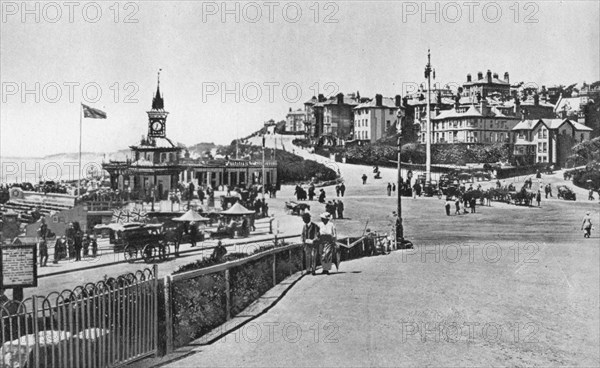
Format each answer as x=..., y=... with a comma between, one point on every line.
x=395, y=310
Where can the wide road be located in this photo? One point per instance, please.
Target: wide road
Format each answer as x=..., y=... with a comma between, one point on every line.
x=507, y=286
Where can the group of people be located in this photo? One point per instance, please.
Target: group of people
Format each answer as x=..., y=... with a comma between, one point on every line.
x=319, y=240
x=304, y=194
x=71, y=245
x=466, y=197
x=335, y=208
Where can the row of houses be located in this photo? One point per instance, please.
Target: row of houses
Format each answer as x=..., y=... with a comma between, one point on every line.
x=485, y=110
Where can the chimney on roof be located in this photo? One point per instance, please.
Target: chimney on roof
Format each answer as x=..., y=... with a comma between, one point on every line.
x=340, y=98
x=378, y=100
x=321, y=98
x=290, y=109
x=506, y=77
x=495, y=75
x=479, y=75
x=489, y=76
x=398, y=101
x=468, y=77
x=544, y=94
x=405, y=101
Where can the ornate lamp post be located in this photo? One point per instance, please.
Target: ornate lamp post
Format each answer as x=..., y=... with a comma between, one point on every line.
x=401, y=243
x=429, y=72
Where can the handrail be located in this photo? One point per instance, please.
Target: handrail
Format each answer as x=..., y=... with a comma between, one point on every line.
x=227, y=265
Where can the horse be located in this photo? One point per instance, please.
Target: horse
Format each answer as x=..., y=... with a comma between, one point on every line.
x=524, y=196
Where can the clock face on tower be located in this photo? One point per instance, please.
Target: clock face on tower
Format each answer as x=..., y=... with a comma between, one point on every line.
x=157, y=128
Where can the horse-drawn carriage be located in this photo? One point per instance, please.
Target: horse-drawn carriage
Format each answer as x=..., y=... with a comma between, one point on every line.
x=523, y=196
x=566, y=193
x=296, y=209
x=138, y=241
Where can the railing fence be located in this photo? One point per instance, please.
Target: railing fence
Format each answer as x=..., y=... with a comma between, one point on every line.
x=109, y=323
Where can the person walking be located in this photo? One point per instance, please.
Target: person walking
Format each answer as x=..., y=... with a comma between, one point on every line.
x=337, y=190
x=364, y=179
x=327, y=240
x=389, y=189
x=332, y=209
x=340, y=209
x=322, y=196
x=538, y=197
x=94, y=246
x=342, y=189
x=59, y=247
x=448, y=205
x=201, y=195
x=457, y=205
x=43, y=252
x=587, y=225
x=472, y=203
x=591, y=195
x=193, y=233
x=311, y=192
x=77, y=241
x=310, y=236
x=394, y=187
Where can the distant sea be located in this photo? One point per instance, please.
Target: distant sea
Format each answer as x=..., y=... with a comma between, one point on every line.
x=54, y=167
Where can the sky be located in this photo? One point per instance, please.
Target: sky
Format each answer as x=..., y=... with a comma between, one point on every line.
x=223, y=77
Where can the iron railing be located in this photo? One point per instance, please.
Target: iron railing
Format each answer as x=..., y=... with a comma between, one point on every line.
x=106, y=324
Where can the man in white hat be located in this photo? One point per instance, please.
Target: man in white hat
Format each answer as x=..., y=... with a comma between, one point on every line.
x=327, y=238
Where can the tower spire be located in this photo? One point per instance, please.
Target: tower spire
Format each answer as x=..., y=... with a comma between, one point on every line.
x=157, y=102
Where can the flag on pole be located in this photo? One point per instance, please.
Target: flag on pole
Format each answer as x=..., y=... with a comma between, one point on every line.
x=90, y=112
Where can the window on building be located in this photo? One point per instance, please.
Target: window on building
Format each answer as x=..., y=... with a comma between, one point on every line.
x=539, y=147
x=545, y=147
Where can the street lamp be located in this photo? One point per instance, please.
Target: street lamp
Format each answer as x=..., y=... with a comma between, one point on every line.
x=429, y=72
x=401, y=243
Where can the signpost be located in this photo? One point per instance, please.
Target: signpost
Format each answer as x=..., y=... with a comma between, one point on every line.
x=19, y=267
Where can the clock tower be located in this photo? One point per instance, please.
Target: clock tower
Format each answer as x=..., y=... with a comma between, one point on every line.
x=157, y=117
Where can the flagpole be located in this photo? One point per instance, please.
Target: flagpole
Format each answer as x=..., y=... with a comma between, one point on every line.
x=80, y=135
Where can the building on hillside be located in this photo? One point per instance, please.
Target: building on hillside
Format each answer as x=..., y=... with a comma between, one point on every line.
x=373, y=119
x=270, y=126
x=583, y=108
x=295, y=121
x=533, y=107
x=157, y=166
x=547, y=140
x=472, y=124
x=311, y=117
x=485, y=86
x=334, y=118
x=416, y=108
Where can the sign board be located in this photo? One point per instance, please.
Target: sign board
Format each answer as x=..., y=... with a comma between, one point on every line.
x=19, y=266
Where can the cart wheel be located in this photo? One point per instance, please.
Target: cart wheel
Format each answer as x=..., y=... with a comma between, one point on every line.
x=149, y=253
x=164, y=251
x=130, y=254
